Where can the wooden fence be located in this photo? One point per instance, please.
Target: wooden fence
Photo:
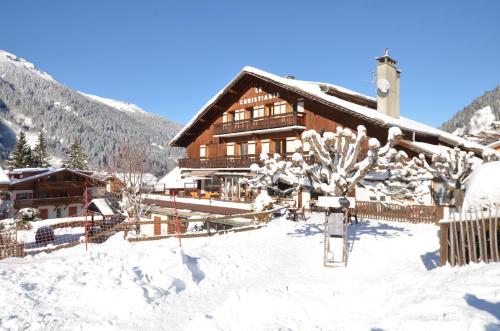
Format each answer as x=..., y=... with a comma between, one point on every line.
x=396, y=212
x=215, y=225
x=470, y=237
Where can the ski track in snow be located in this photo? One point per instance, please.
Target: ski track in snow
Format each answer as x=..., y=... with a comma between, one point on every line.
x=266, y=279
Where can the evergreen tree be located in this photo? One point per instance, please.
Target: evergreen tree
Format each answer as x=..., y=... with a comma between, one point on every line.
x=20, y=157
x=40, y=155
x=75, y=157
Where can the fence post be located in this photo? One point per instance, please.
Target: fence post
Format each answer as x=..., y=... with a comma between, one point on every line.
x=443, y=243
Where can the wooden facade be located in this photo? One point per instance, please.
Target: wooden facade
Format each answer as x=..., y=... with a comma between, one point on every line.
x=221, y=138
x=260, y=112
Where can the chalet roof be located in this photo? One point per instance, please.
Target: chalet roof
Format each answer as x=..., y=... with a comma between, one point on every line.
x=101, y=206
x=316, y=91
x=13, y=182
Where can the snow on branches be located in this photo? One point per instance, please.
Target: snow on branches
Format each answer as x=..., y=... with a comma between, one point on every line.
x=334, y=168
x=335, y=165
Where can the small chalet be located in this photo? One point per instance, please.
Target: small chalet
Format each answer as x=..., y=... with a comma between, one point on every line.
x=54, y=192
x=261, y=112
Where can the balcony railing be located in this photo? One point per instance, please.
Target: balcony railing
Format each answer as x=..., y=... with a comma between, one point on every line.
x=218, y=162
x=261, y=123
x=226, y=161
x=28, y=203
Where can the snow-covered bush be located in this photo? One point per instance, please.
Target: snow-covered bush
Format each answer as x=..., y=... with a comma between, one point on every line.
x=262, y=202
x=483, y=189
x=25, y=216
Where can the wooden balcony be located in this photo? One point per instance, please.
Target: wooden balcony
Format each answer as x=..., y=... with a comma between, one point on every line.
x=29, y=203
x=227, y=161
x=58, y=185
x=261, y=123
x=218, y=162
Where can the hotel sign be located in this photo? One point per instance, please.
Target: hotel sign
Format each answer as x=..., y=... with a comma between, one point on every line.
x=261, y=97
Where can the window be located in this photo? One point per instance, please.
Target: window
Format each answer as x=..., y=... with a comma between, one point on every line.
x=42, y=195
x=22, y=196
x=258, y=111
x=279, y=108
x=298, y=106
x=224, y=117
x=280, y=146
x=251, y=148
x=265, y=146
x=243, y=149
x=230, y=149
x=58, y=212
x=292, y=145
x=239, y=115
x=203, y=150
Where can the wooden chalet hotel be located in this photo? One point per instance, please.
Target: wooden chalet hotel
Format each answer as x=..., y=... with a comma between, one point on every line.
x=262, y=112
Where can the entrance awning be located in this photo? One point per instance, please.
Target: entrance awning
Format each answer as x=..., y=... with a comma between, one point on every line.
x=242, y=174
x=198, y=173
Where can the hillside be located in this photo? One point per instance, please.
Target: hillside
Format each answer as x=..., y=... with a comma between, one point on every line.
x=32, y=101
x=477, y=116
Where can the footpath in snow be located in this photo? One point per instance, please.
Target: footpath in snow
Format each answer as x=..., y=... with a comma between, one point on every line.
x=268, y=279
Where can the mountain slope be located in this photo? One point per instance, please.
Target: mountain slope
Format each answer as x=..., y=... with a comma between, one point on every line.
x=477, y=116
x=32, y=101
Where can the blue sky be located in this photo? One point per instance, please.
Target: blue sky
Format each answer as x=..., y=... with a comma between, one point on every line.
x=171, y=57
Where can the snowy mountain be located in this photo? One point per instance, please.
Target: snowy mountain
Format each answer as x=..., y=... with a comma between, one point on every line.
x=32, y=101
x=477, y=117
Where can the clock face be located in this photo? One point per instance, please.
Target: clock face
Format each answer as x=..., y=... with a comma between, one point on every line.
x=383, y=85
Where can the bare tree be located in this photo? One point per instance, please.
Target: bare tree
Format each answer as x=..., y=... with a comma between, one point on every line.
x=130, y=167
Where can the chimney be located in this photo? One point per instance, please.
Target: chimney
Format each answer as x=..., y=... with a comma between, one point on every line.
x=387, y=85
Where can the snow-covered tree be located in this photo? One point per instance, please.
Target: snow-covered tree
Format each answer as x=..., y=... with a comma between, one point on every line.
x=40, y=155
x=129, y=165
x=21, y=155
x=75, y=157
x=335, y=168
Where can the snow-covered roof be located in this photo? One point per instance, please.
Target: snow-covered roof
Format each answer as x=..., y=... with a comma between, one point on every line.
x=22, y=170
x=174, y=180
x=103, y=207
x=48, y=173
x=4, y=179
x=315, y=91
x=134, y=178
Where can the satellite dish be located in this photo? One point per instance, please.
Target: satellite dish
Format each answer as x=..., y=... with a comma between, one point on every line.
x=383, y=85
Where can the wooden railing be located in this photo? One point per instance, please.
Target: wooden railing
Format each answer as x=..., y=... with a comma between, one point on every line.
x=243, y=161
x=261, y=123
x=470, y=237
x=237, y=161
x=28, y=203
x=396, y=212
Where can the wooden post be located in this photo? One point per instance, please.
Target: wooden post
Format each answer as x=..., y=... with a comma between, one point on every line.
x=452, y=241
x=443, y=243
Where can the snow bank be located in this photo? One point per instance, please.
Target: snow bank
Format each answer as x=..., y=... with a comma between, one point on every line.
x=483, y=187
x=266, y=279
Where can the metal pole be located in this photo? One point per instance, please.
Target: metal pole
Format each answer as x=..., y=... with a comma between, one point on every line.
x=86, y=224
x=177, y=222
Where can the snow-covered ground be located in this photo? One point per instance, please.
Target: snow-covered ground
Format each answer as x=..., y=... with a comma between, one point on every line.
x=268, y=279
